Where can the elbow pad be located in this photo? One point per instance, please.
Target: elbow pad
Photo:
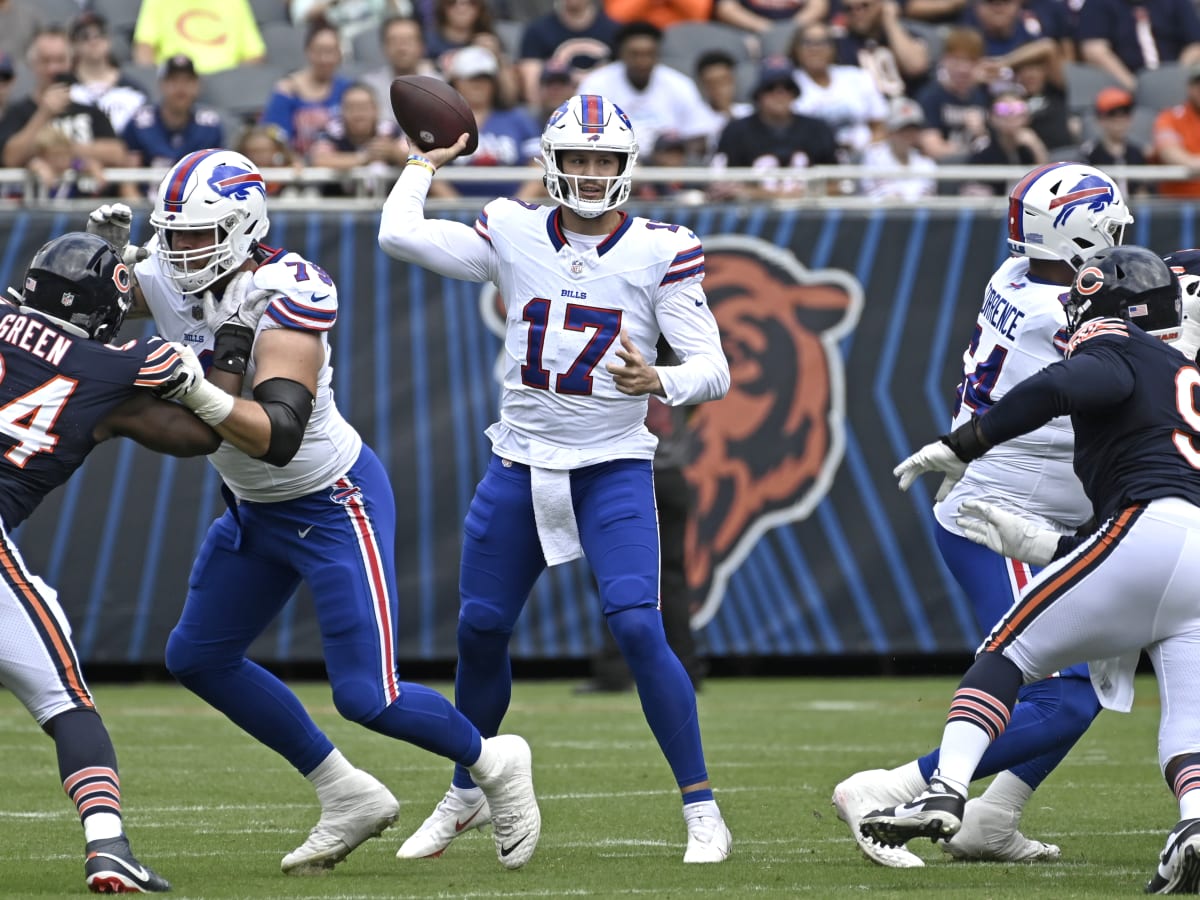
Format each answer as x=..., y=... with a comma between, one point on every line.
x=288, y=405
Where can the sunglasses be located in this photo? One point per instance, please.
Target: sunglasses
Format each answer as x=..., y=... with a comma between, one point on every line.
x=1117, y=111
x=1007, y=108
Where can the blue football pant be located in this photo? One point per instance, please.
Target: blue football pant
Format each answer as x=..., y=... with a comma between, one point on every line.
x=1051, y=715
x=501, y=560
x=340, y=541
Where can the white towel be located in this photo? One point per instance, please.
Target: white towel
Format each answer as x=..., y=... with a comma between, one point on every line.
x=1113, y=680
x=554, y=514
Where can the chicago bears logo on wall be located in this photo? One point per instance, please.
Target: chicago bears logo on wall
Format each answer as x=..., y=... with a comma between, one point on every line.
x=766, y=454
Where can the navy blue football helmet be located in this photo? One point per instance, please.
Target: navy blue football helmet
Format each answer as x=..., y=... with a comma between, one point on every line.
x=79, y=279
x=1130, y=283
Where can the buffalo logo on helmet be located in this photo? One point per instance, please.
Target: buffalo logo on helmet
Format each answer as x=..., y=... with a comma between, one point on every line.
x=1092, y=192
x=236, y=182
x=766, y=454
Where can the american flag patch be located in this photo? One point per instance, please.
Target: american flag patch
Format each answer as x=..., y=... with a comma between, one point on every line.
x=1138, y=309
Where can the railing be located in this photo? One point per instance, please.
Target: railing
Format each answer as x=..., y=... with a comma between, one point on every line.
x=824, y=185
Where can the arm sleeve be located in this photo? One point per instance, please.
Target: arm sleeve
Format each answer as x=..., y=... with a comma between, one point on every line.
x=447, y=247
x=691, y=330
x=1087, y=382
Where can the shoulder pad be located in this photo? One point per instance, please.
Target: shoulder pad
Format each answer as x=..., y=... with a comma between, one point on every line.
x=307, y=295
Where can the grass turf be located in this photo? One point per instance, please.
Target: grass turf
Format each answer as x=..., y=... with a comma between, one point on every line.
x=214, y=812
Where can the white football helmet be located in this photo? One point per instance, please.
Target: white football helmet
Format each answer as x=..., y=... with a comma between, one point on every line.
x=1186, y=264
x=1065, y=211
x=219, y=192
x=588, y=122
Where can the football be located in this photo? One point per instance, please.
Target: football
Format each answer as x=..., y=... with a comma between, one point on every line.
x=432, y=113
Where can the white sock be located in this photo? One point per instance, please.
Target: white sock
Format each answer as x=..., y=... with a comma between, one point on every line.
x=331, y=769
x=703, y=808
x=487, y=762
x=1189, y=805
x=963, y=745
x=912, y=782
x=1008, y=791
x=102, y=826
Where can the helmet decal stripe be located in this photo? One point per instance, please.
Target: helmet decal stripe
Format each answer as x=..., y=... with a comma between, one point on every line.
x=1016, y=224
x=593, y=114
x=183, y=169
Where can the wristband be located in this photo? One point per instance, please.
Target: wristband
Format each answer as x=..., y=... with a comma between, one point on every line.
x=231, y=351
x=416, y=159
x=209, y=403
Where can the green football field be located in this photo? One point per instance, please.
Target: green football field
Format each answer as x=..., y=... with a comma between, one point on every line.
x=214, y=812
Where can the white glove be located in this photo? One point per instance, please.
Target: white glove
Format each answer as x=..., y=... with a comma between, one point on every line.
x=935, y=457
x=112, y=221
x=1006, y=533
x=1188, y=341
x=241, y=305
x=182, y=378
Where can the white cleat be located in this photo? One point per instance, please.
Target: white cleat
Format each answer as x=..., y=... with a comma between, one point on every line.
x=709, y=840
x=459, y=811
x=989, y=833
x=516, y=819
x=858, y=795
x=364, y=810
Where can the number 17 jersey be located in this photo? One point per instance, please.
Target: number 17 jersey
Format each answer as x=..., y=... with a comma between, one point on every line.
x=1020, y=330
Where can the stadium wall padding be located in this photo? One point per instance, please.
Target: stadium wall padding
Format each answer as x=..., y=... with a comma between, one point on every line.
x=845, y=331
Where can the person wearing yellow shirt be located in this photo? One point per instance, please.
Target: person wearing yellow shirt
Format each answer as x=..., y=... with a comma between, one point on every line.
x=216, y=34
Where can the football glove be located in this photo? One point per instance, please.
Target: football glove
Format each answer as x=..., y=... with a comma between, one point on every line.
x=935, y=457
x=1006, y=533
x=233, y=320
x=186, y=372
x=1188, y=341
x=112, y=221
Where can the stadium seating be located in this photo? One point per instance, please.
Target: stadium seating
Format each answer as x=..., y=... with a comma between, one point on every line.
x=240, y=94
x=684, y=43
x=269, y=11
x=1084, y=82
x=1162, y=87
x=285, y=44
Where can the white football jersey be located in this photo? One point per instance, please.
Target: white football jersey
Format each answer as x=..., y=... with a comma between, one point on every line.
x=307, y=301
x=566, y=307
x=1021, y=329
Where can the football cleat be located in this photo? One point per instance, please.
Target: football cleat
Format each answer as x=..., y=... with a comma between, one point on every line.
x=516, y=819
x=112, y=869
x=989, y=833
x=459, y=811
x=363, y=811
x=1179, y=866
x=936, y=813
x=861, y=793
x=709, y=840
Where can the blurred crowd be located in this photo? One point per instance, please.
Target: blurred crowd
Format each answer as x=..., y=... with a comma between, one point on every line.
x=91, y=85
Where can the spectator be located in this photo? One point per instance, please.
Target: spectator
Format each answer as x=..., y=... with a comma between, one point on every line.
x=19, y=22
x=1114, y=119
x=757, y=16
x=507, y=136
x=844, y=97
x=1049, y=115
x=57, y=172
x=215, y=34
x=662, y=13
x=874, y=38
x=577, y=33
x=303, y=103
x=654, y=96
x=1177, y=138
x=1009, y=38
x=8, y=77
x=1009, y=142
x=955, y=105
x=555, y=87
x=1054, y=19
x=98, y=78
x=716, y=76
x=773, y=137
x=899, y=151
x=404, y=49
x=162, y=134
x=455, y=24
x=935, y=12
x=264, y=147
x=1124, y=37
x=670, y=151
x=350, y=17
x=358, y=138
x=89, y=130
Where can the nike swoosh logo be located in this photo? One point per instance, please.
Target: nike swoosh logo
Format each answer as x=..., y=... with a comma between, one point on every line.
x=303, y=532
x=699, y=302
x=504, y=851
x=318, y=299
x=139, y=872
x=459, y=826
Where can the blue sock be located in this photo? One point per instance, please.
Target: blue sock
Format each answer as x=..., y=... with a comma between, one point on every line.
x=482, y=684
x=423, y=717
x=1050, y=717
x=701, y=796
x=667, y=696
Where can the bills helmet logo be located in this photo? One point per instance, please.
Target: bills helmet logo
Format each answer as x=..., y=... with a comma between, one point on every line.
x=1092, y=193
x=236, y=182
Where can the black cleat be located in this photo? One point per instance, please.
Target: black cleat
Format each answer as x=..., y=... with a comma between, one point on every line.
x=112, y=869
x=936, y=814
x=1179, y=866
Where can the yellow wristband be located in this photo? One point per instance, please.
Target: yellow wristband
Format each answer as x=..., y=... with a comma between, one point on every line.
x=417, y=160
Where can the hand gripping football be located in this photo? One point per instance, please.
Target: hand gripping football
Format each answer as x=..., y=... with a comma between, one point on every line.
x=432, y=113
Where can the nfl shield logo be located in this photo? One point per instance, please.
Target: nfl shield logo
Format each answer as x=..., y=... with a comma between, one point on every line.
x=67, y=298
x=577, y=267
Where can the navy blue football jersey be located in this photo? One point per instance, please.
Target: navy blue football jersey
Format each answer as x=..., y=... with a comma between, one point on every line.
x=1134, y=403
x=55, y=387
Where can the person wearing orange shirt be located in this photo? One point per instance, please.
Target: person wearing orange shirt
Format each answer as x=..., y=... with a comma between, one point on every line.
x=1177, y=138
x=663, y=13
